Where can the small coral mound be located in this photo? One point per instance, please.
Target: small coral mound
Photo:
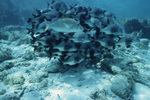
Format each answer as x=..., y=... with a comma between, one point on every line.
x=122, y=86
x=5, y=54
x=137, y=25
x=14, y=80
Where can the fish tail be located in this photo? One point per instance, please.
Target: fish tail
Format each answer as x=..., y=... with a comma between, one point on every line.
x=29, y=20
x=29, y=30
x=39, y=12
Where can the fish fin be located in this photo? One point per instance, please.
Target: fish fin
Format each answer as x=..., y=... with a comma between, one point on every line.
x=70, y=7
x=38, y=11
x=29, y=20
x=67, y=26
x=52, y=1
x=46, y=28
x=34, y=15
x=48, y=4
x=75, y=5
x=29, y=30
x=84, y=30
x=47, y=24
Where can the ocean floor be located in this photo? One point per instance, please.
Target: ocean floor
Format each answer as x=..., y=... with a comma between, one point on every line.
x=29, y=75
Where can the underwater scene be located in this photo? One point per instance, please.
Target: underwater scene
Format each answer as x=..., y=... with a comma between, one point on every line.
x=74, y=50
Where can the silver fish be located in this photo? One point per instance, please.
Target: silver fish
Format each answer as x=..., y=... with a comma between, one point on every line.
x=66, y=25
x=80, y=37
x=76, y=58
x=65, y=46
x=112, y=29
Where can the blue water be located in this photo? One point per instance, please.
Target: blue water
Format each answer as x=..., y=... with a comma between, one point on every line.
x=17, y=12
x=121, y=8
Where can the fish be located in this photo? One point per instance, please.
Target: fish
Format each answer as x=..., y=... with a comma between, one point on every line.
x=84, y=47
x=105, y=21
x=81, y=15
x=96, y=12
x=131, y=39
x=40, y=28
x=109, y=14
x=59, y=6
x=51, y=14
x=94, y=22
x=43, y=26
x=66, y=46
x=69, y=13
x=66, y=25
x=75, y=34
x=36, y=21
x=76, y=58
x=92, y=52
x=112, y=29
x=80, y=37
x=38, y=15
x=78, y=8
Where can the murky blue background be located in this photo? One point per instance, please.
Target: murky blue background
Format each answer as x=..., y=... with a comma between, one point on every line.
x=17, y=12
x=121, y=8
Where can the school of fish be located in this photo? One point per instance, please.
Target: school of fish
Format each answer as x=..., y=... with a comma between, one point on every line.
x=74, y=34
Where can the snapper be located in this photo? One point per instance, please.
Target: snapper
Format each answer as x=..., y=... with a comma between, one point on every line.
x=66, y=25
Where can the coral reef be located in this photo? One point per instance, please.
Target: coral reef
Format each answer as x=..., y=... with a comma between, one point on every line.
x=138, y=25
x=122, y=86
x=5, y=54
x=14, y=79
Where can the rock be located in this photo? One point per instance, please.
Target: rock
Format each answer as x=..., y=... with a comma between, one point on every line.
x=25, y=40
x=41, y=54
x=2, y=92
x=6, y=65
x=99, y=95
x=145, y=41
x=30, y=88
x=122, y=86
x=35, y=79
x=10, y=97
x=136, y=25
x=32, y=95
x=15, y=35
x=133, y=25
x=43, y=83
x=141, y=92
x=3, y=35
x=14, y=79
x=38, y=77
x=29, y=55
x=5, y=54
x=106, y=64
x=143, y=44
x=23, y=64
x=116, y=69
x=3, y=75
x=144, y=79
x=54, y=66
